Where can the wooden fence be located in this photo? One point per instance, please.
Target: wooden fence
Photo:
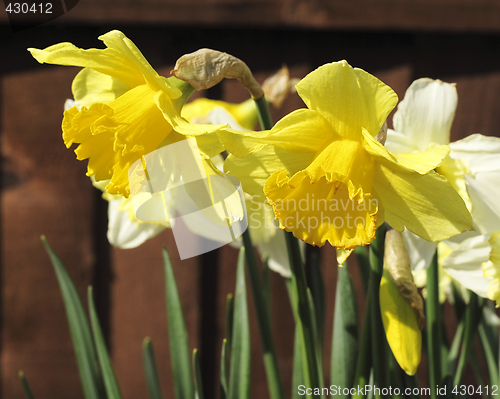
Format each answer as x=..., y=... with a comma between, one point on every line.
x=45, y=191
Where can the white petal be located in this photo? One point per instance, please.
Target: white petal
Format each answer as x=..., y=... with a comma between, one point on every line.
x=125, y=233
x=482, y=153
x=484, y=192
x=419, y=250
x=399, y=143
x=426, y=113
x=464, y=264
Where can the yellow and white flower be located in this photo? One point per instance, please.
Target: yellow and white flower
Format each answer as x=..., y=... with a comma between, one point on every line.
x=328, y=154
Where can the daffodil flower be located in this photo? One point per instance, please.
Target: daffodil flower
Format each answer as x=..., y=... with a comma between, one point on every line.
x=422, y=122
x=474, y=262
x=329, y=179
x=124, y=110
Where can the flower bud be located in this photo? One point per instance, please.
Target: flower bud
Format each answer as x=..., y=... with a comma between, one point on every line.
x=397, y=265
x=205, y=68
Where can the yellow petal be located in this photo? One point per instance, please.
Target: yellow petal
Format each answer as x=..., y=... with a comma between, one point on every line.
x=245, y=113
x=401, y=326
x=321, y=211
x=300, y=131
x=344, y=161
x=454, y=170
x=254, y=169
x=181, y=125
x=492, y=269
x=421, y=162
x=107, y=61
x=426, y=205
x=115, y=135
x=425, y=161
x=116, y=40
x=91, y=87
x=349, y=98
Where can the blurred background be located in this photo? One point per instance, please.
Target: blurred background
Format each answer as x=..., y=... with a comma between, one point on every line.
x=44, y=189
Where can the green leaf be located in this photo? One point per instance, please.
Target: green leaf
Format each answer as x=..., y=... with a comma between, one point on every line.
x=178, y=339
x=229, y=319
x=318, y=294
x=317, y=343
x=302, y=310
x=263, y=314
x=473, y=316
x=198, y=384
x=223, y=371
x=26, y=386
x=298, y=370
x=108, y=374
x=345, y=332
x=152, y=380
x=239, y=380
x=80, y=330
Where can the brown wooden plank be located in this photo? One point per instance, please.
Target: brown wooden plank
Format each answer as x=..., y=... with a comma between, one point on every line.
x=46, y=192
x=138, y=311
x=450, y=15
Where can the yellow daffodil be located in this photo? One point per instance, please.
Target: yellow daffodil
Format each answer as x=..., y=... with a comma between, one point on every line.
x=329, y=179
x=124, y=109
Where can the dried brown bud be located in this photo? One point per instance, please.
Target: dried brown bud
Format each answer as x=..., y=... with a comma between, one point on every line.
x=205, y=68
x=397, y=265
x=277, y=86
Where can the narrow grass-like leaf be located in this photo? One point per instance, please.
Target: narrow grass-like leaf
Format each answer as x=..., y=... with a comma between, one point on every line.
x=263, y=314
x=297, y=373
x=26, y=386
x=317, y=345
x=229, y=320
x=363, y=265
x=239, y=379
x=108, y=374
x=152, y=380
x=80, y=330
x=434, y=334
x=455, y=348
x=489, y=354
x=302, y=310
x=473, y=316
x=223, y=371
x=378, y=340
x=345, y=332
x=178, y=339
x=318, y=294
x=198, y=383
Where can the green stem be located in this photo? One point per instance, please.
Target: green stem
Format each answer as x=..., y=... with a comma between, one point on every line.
x=473, y=315
x=378, y=342
x=263, y=113
x=434, y=334
x=264, y=321
x=304, y=317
